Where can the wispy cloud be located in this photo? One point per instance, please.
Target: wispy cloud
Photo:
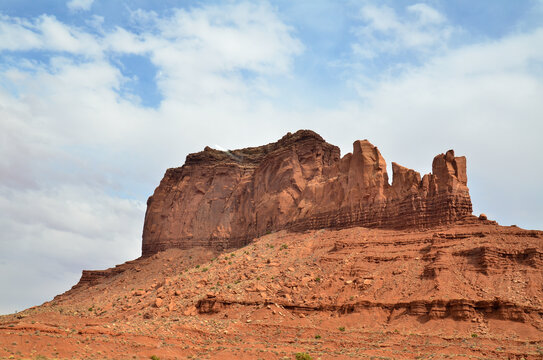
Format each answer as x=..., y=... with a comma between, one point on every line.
x=383, y=31
x=45, y=33
x=79, y=4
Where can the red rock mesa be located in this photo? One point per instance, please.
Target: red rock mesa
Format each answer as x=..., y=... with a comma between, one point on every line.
x=224, y=199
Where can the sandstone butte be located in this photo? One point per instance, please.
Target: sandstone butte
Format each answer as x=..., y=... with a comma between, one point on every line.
x=288, y=249
x=224, y=200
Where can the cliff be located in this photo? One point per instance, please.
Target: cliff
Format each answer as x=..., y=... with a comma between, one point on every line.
x=223, y=200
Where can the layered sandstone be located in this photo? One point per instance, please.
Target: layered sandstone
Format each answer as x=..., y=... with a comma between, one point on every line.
x=224, y=200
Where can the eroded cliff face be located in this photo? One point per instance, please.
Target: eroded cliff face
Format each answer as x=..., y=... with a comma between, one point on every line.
x=225, y=199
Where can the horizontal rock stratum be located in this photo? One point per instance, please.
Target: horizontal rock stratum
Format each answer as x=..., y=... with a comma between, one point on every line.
x=224, y=199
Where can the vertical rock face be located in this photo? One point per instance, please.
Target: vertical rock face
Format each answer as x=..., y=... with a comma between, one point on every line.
x=225, y=199
x=368, y=178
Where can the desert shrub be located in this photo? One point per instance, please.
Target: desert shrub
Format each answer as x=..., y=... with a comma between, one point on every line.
x=303, y=356
x=342, y=328
x=154, y=357
x=317, y=336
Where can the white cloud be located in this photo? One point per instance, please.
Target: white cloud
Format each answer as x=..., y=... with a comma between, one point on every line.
x=385, y=32
x=79, y=4
x=45, y=33
x=48, y=235
x=426, y=14
x=16, y=34
x=201, y=52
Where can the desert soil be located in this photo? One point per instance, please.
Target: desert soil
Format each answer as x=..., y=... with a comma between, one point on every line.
x=466, y=291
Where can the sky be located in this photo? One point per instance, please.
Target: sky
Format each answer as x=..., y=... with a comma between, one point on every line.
x=98, y=98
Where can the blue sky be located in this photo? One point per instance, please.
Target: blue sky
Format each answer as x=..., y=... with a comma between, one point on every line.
x=98, y=98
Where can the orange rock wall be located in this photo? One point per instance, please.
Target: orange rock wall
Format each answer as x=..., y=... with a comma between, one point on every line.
x=225, y=199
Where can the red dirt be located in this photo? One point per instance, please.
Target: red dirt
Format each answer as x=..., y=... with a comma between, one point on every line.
x=471, y=290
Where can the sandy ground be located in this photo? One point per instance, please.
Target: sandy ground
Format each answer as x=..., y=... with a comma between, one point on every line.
x=468, y=291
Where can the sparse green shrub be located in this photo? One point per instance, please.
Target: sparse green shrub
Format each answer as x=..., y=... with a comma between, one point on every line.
x=154, y=357
x=197, y=266
x=204, y=269
x=342, y=328
x=317, y=336
x=303, y=356
x=284, y=247
x=318, y=279
x=474, y=335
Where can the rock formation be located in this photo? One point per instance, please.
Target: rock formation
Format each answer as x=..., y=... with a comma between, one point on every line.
x=224, y=199
x=403, y=268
